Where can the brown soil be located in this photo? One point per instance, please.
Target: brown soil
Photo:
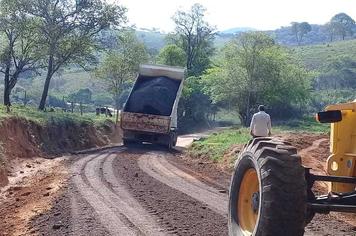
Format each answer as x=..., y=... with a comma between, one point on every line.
x=177, y=212
x=139, y=191
x=313, y=148
x=108, y=194
x=219, y=175
x=31, y=195
x=22, y=140
x=3, y=177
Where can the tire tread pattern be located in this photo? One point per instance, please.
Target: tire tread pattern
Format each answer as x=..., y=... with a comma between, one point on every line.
x=284, y=195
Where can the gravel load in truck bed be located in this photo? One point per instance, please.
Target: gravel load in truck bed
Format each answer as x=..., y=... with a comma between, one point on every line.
x=153, y=95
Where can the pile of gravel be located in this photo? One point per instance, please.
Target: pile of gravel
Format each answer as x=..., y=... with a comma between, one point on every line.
x=153, y=95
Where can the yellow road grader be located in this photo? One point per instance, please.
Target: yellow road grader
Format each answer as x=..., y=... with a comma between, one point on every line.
x=271, y=192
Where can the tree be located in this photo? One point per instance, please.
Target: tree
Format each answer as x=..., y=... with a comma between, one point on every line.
x=253, y=70
x=330, y=30
x=69, y=31
x=21, y=52
x=339, y=73
x=300, y=30
x=120, y=65
x=83, y=95
x=250, y=48
x=342, y=24
x=194, y=105
x=195, y=36
x=172, y=55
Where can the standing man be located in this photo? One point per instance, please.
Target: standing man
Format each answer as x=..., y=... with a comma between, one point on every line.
x=260, y=123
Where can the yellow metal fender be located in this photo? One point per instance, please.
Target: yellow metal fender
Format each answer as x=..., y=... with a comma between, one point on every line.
x=342, y=161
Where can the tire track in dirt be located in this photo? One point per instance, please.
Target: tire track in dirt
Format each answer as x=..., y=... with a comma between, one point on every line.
x=118, y=212
x=311, y=162
x=177, y=212
x=155, y=165
x=128, y=205
x=107, y=217
x=306, y=151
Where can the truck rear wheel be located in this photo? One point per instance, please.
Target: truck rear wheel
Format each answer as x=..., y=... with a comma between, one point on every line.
x=268, y=191
x=171, y=140
x=127, y=142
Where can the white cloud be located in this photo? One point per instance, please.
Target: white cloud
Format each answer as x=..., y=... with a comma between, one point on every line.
x=260, y=14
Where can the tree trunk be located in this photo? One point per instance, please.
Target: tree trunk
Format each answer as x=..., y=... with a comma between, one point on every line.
x=298, y=40
x=117, y=104
x=7, y=93
x=247, y=116
x=7, y=88
x=47, y=83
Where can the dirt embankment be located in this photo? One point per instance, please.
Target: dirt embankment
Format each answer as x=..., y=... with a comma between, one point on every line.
x=23, y=139
x=3, y=176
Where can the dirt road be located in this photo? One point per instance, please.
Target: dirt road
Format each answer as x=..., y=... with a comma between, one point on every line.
x=134, y=191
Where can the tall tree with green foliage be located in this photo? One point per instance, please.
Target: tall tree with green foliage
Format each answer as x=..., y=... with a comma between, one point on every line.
x=342, y=24
x=83, y=95
x=121, y=64
x=250, y=48
x=195, y=36
x=253, y=70
x=300, y=30
x=172, y=55
x=70, y=30
x=194, y=105
x=20, y=51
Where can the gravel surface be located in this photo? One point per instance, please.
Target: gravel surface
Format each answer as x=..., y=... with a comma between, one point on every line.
x=153, y=95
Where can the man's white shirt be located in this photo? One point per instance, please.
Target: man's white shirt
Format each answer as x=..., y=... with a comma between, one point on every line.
x=260, y=124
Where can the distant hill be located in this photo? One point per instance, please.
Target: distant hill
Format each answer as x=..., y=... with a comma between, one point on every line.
x=285, y=36
x=320, y=56
x=154, y=40
x=237, y=30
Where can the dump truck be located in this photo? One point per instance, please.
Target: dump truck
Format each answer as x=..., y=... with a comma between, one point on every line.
x=150, y=112
x=271, y=193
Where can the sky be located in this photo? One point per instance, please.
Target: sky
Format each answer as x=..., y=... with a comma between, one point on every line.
x=226, y=14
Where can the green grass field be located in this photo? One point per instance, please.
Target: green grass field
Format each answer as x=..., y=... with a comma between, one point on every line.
x=307, y=124
x=216, y=145
x=318, y=56
x=32, y=114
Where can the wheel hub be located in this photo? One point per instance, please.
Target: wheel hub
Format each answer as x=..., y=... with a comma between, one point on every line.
x=248, y=202
x=255, y=201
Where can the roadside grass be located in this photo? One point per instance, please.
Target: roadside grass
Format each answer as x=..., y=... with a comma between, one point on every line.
x=218, y=144
x=307, y=124
x=43, y=118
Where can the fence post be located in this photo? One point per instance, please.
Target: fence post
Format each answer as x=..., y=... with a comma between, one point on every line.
x=25, y=99
x=72, y=107
x=117, y=115
x=81, y=108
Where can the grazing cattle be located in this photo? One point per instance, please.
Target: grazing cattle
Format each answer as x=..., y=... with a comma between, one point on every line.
x=103, y=110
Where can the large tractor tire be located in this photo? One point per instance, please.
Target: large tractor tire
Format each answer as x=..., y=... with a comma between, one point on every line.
x=268, y=192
